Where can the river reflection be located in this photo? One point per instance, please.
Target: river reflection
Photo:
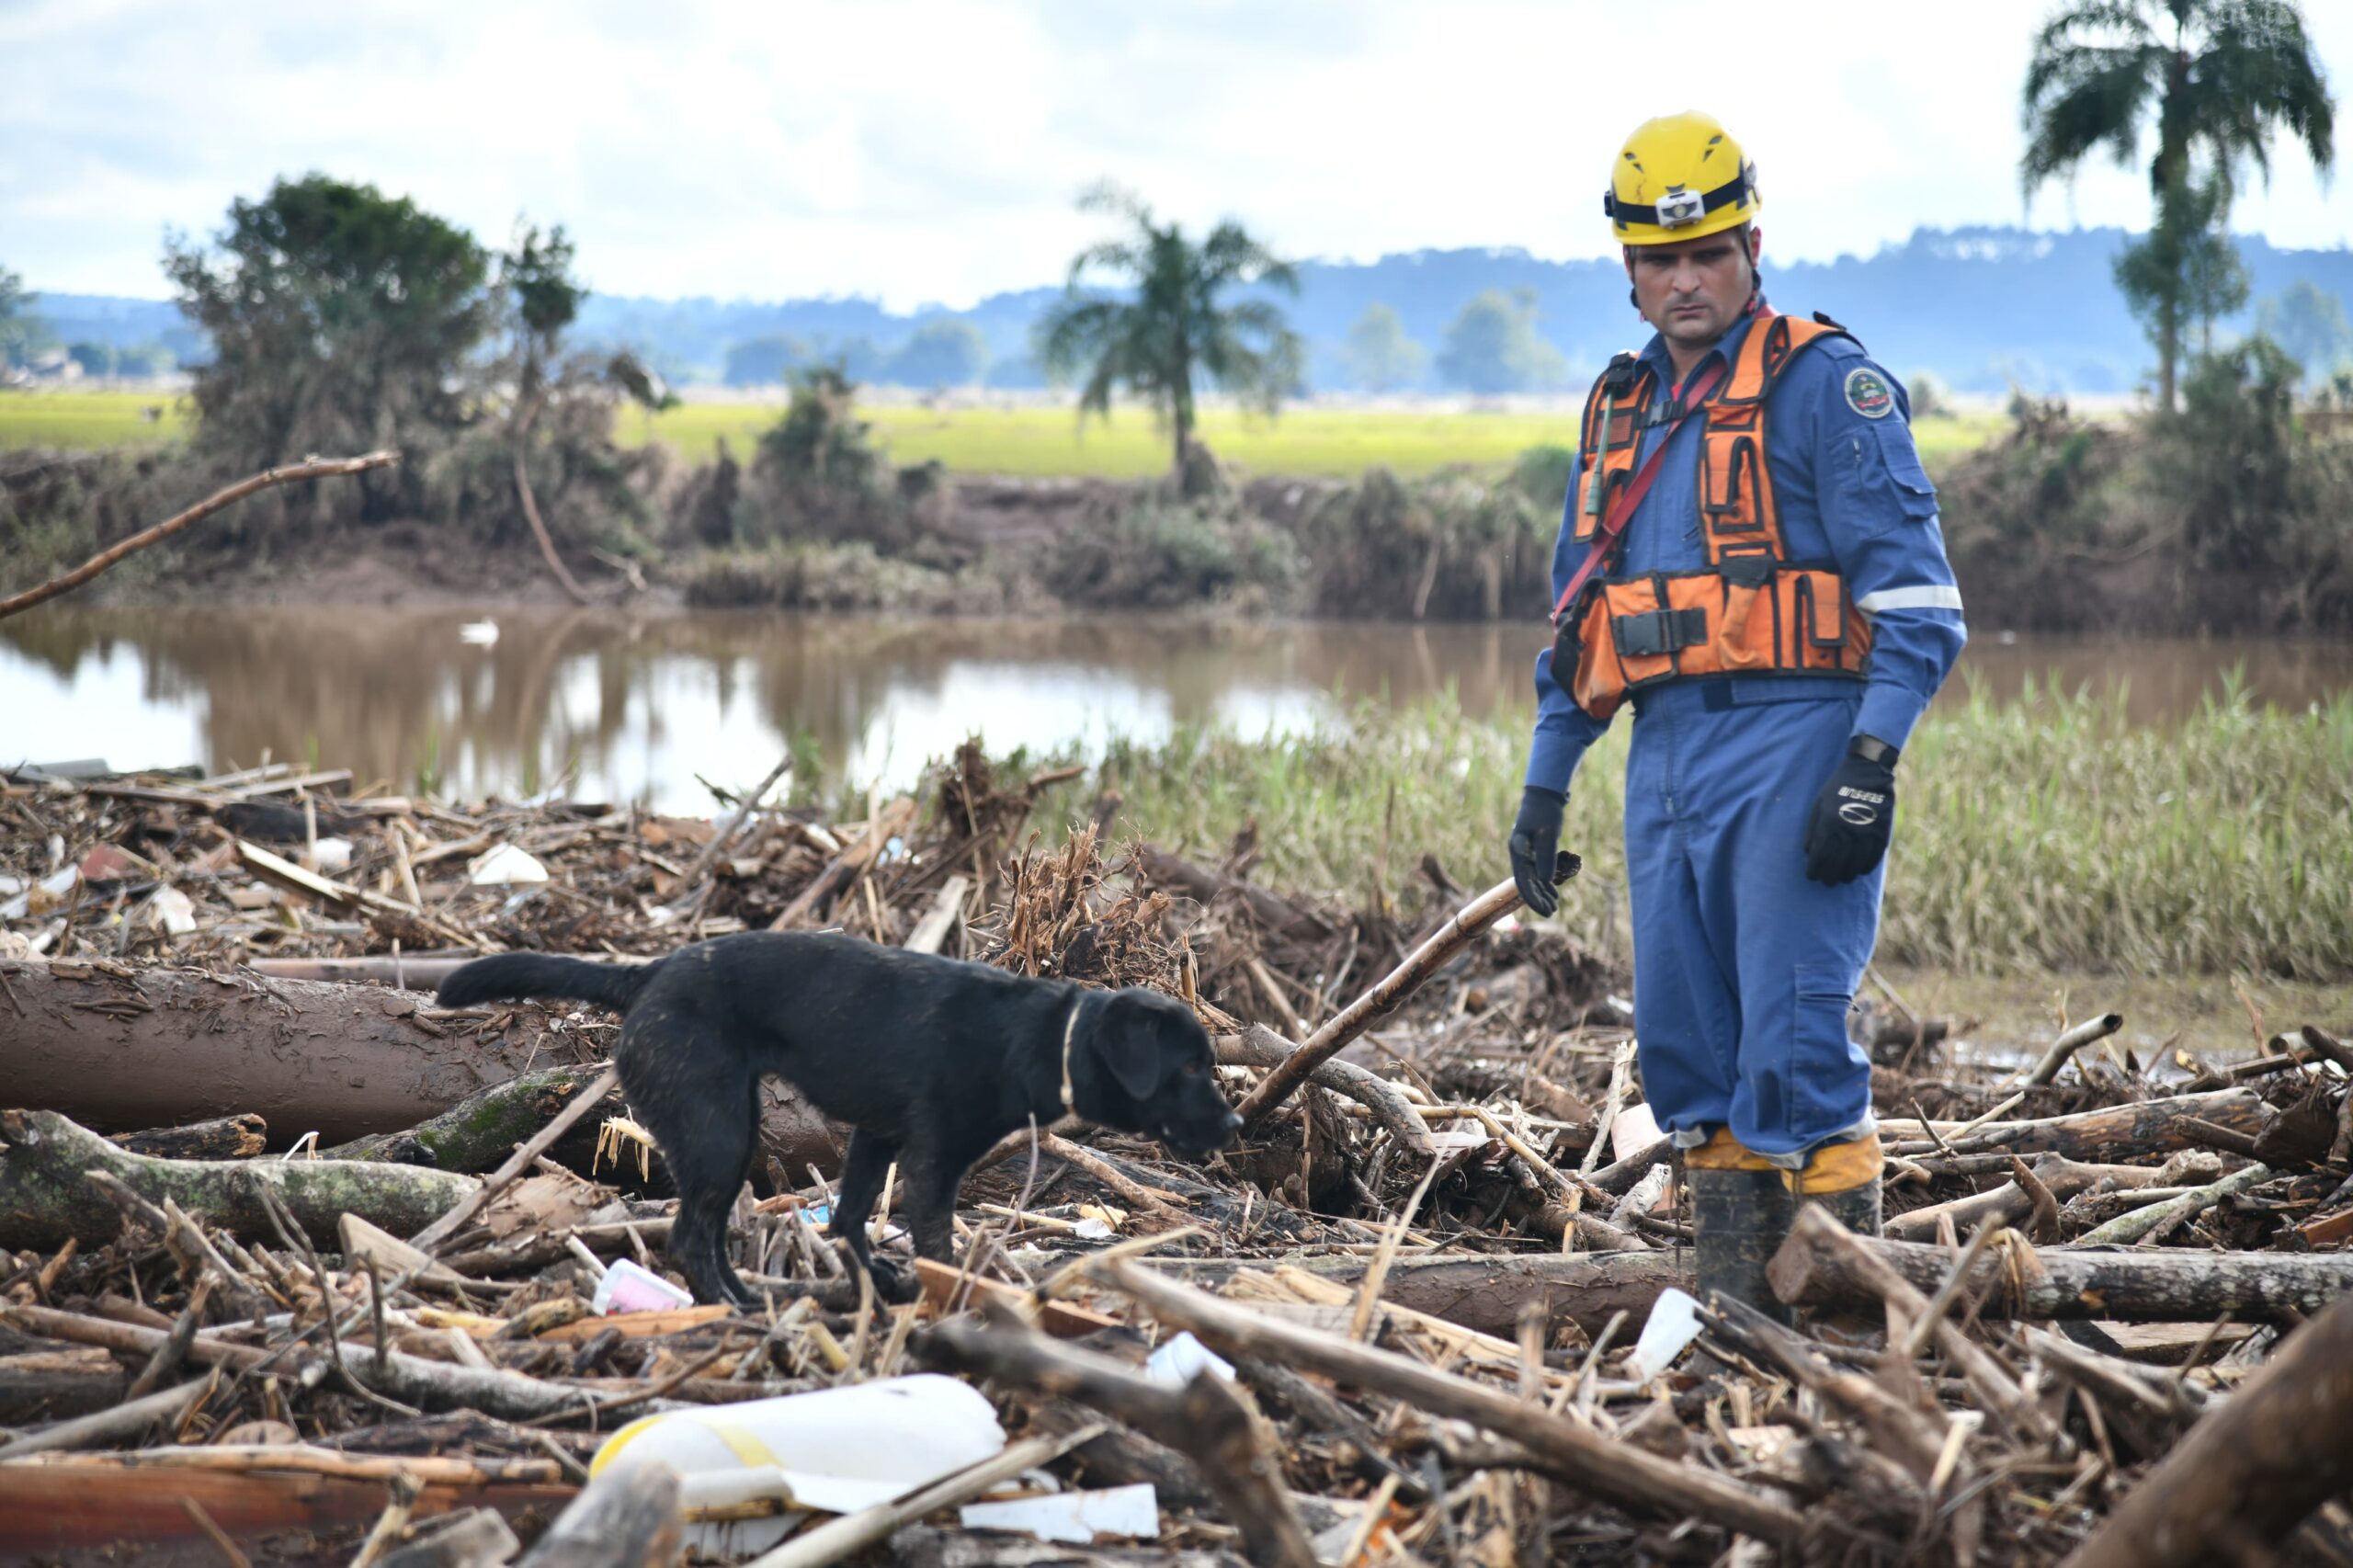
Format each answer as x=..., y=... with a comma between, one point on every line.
x=638, y=705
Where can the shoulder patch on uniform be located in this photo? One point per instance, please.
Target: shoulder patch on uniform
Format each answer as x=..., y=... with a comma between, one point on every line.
x=1867, y=393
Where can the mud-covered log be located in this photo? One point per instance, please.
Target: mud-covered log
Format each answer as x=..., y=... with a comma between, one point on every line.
x=2127, y=1286
x=115, y=1047
x=2248, y=1473
x=478, y=1132
x=44, y=1197
x=223, y=1138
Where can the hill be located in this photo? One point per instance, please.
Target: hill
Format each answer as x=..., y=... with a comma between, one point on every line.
x=1979, y=308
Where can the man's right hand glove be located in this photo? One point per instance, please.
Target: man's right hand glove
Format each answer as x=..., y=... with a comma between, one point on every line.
x=1535, y=846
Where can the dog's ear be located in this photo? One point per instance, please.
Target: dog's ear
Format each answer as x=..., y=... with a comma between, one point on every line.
x=1126, y=1040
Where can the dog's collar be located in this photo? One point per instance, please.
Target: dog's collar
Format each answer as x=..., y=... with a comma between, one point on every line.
x=1069, y=1033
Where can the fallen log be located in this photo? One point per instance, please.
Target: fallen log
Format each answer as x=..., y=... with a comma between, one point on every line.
x=115, y=1047
x=45, y=1198
x=1617, y=1472
x=1487, y=1292
x=2097, y=1135
x=2248, y=1473
x=480, y=1130
x=51, y=1506
x=2056, y=1282
x=223, y=1138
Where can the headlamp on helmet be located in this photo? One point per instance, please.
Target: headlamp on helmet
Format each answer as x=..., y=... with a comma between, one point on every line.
x=1679, y=178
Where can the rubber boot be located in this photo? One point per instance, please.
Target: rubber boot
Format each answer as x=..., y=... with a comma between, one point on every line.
x=1739, y=1219
x=1857, y=1208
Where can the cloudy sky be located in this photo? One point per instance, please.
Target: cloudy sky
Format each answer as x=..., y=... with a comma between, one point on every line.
x=929, y=150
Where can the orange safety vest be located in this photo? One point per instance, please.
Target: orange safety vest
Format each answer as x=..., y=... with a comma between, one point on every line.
x=1751, y=610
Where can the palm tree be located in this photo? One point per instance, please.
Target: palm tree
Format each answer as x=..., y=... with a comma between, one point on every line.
x=1153, y=338
x=2221, y=77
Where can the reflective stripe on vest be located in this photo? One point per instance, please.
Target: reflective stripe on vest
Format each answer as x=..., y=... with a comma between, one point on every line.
x=1751, y=610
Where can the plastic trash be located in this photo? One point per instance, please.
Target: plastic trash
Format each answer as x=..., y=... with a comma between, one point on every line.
x=1635, y=1128
x=332, y=853
x=44, y=896
x=1076, y=1517
x=172, y=910
x=833, y=1452
x=1176, y=1361
x=506, y=865
x=1673, y=1325
x=626, y=1287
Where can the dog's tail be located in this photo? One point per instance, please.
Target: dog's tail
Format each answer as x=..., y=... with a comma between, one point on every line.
x=508, y=975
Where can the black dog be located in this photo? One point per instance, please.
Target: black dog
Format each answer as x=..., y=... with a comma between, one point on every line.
x=930, y=1060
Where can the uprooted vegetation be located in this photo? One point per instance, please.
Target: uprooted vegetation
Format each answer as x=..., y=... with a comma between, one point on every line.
x=1431, y=1270
x=2227, y=518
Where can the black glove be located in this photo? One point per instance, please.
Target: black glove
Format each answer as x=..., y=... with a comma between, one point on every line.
x=1535, y=846
x=1854, y=817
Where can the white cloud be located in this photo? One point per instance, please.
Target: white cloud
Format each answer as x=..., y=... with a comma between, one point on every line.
x=924, y=150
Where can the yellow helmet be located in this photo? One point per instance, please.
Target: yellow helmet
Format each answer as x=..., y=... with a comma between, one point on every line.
x=1679, y=176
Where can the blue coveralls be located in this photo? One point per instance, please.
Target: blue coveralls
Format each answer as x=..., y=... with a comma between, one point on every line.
x=1743, y=969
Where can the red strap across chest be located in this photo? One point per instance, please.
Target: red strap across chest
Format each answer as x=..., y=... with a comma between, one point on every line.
x=1613, y=523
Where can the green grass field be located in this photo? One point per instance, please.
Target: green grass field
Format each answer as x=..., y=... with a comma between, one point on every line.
x=1031, y=441
x=79, y=421
x=2047, y=834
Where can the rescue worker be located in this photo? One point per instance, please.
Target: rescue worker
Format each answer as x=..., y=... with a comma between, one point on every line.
x=1750, y=556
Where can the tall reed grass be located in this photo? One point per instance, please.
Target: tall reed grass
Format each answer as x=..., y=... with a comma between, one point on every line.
x=2045, y=832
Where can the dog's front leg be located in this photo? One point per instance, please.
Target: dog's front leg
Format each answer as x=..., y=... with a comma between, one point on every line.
x=931, y=1186
x=863, y=1169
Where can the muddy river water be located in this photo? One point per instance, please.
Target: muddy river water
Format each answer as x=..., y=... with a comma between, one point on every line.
x=637, y=705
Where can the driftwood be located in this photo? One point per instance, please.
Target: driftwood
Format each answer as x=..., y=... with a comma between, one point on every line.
x=412, y=1379
x=2137, y=1130
x=2063, y=1178
x=2126, y=1229
x=45, y=1196
x=1272, y=912
x=630, y=1517
x=103, y=1427
x=2065, y=1048
x=1992, y=1382
x=1259, y=1046
x=471, y=1204
x=1488, y=1292
x=1206, y=1421
x=1620, y=1473
x=2145, y=1286
x=480, y=1130
x=223, y=1138
x=317, y=468
x=142, y=1048
x=2248, y=1473
x=1380, y=1001
x=48, y=1507
x=898, y=817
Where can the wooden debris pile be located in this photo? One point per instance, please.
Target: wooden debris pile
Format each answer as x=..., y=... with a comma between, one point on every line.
x=1428, y=1312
